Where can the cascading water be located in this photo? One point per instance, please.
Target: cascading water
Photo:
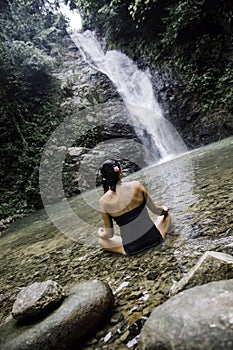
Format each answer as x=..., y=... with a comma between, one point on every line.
x=136, y=90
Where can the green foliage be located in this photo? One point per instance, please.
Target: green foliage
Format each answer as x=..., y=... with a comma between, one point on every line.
x=192, y=37
x=26, y=20
x=29, y=98
x=109, y=18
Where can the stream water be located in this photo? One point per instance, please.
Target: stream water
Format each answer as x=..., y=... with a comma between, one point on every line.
x=33, y=249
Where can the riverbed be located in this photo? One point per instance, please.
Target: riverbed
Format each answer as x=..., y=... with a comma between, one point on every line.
x=62, y=245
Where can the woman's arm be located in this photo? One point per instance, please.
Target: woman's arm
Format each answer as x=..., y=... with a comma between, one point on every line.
x=107, y=231
x=156, y=209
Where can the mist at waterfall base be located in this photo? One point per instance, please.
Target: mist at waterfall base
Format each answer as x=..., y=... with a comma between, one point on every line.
x=135, y=88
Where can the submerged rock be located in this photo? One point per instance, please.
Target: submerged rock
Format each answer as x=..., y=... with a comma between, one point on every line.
x=36, y=300
x=200, y=318
x=80, y=314
x=212, y=266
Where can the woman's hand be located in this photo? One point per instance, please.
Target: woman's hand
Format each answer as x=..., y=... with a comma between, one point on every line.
x=101, y=232
x=105, y=233
x=164, y=211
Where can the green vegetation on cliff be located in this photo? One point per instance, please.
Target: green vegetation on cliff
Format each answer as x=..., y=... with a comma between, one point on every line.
x=193, y=38
x=29, y=97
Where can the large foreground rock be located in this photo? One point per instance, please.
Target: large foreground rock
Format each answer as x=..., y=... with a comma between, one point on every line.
x=200, y=318
x=36, y=300
x=212, y=266
x=80, y=314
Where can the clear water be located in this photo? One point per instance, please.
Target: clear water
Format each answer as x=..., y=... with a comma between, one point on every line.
x=197, y=187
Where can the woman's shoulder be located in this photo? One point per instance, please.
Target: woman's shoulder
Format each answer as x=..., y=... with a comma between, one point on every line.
x=130, y=184
x=136, y=184
x=133, y=186
x=133, y=183
x=104, y=198
x=103, y=202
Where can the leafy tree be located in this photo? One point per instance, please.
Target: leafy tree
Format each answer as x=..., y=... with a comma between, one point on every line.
x=29, y=97
x=193, y=37
x=109, y=18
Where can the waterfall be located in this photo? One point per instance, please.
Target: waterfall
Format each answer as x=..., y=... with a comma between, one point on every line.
x=135, y=88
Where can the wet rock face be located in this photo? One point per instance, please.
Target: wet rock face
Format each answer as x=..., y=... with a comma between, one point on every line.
x=81, y=312
x=182, y=109
x=197, y=319
x=36, y=300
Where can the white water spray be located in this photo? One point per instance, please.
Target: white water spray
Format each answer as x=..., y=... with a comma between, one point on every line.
x=136, y=89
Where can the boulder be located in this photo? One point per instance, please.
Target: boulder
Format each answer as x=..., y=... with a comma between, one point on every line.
x=81, y=313
x=200, y=318
x=37, y=299
x=212, y=266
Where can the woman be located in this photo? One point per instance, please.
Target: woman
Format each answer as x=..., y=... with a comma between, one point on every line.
x=126, y=203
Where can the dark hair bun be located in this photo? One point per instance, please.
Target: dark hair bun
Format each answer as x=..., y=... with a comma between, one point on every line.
x=110, y=174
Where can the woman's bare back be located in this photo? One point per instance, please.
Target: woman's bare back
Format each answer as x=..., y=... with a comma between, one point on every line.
x=128, y=196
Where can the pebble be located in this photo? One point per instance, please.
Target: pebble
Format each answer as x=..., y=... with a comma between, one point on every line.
x=153, y=271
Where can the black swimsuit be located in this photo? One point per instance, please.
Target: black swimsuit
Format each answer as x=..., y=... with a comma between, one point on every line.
x=138, y=231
